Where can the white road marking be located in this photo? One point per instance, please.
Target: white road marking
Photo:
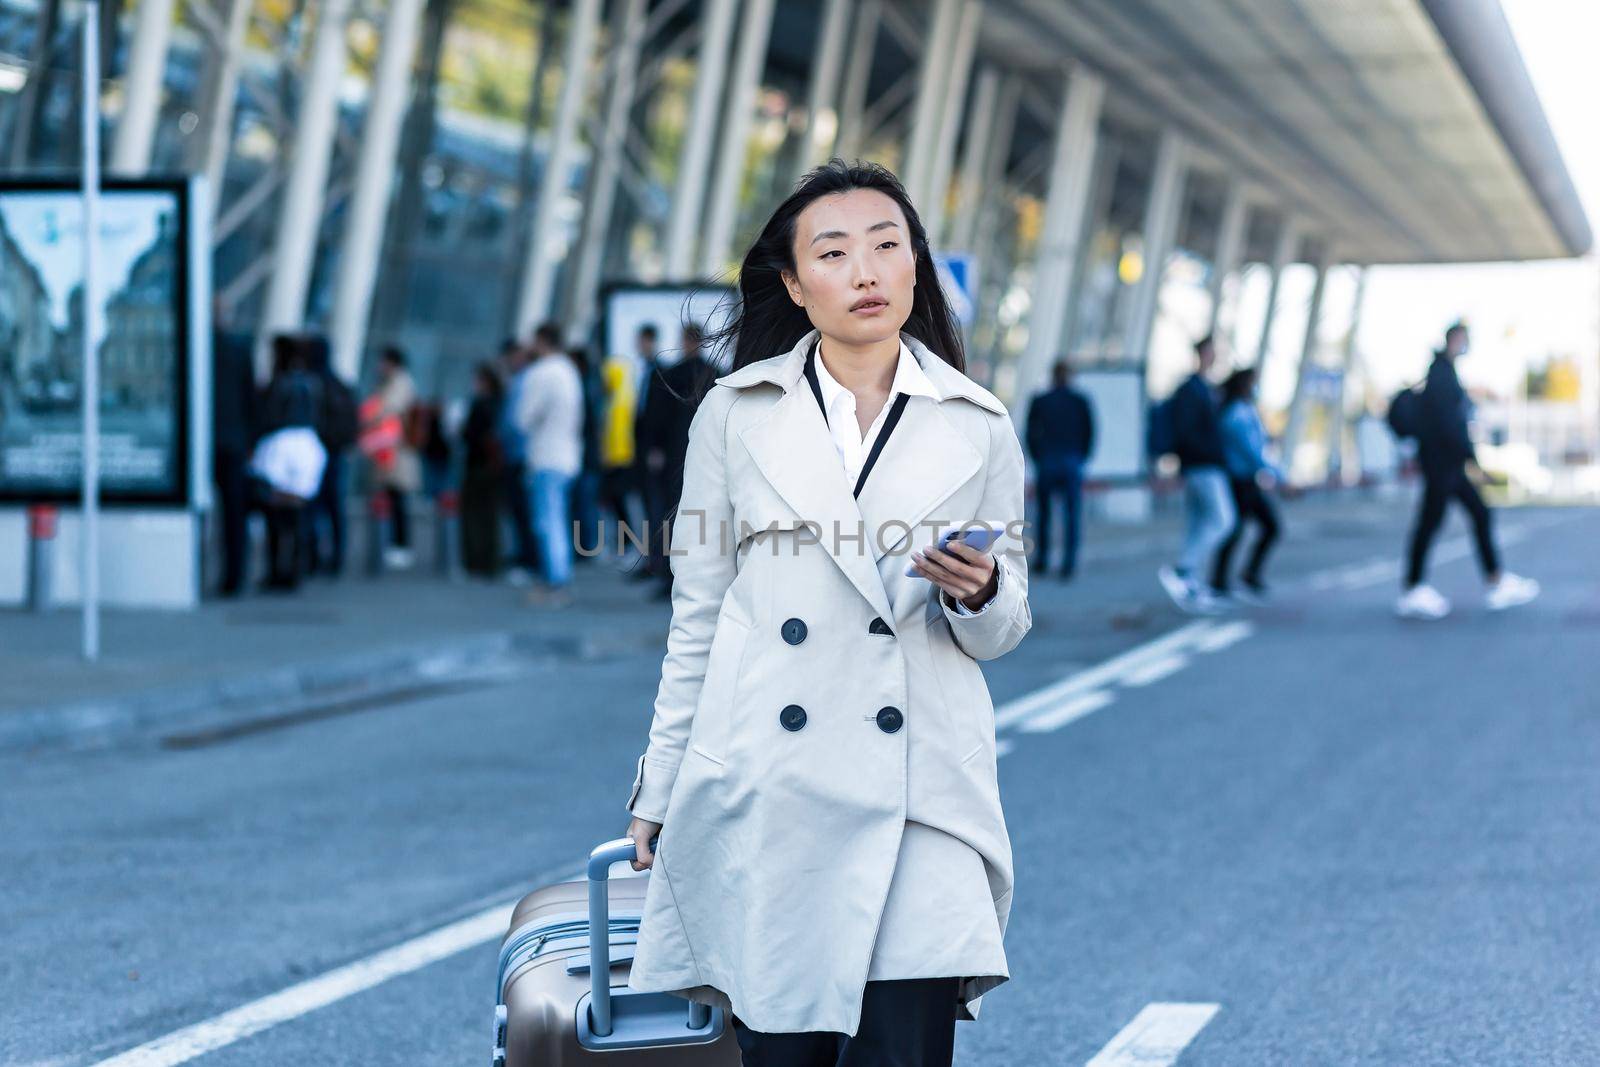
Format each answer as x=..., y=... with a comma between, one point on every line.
x=181, y=1046
x=1156, y=1037
x=1224, y=636
x=1152, y=672
x=1040, y=700
x=1072, y=710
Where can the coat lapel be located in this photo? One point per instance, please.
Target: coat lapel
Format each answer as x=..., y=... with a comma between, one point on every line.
x=924, y=461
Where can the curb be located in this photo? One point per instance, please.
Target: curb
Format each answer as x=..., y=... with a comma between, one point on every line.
x=101, y=722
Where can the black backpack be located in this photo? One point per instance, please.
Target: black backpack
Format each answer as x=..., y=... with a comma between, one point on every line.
x=1405, y=413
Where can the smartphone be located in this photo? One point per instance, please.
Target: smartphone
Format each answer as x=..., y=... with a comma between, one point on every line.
x=979, y=536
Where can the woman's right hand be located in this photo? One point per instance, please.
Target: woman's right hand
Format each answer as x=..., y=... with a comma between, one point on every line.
x=643, y=831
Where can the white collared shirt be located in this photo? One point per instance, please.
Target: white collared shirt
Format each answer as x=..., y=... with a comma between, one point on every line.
x=840, y=404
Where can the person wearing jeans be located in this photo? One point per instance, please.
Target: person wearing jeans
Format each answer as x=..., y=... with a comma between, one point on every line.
x=1444, y=449
x=550, y=414
x=1209, y=513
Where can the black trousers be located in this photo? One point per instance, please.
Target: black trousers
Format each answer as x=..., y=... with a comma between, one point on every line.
x=909, y=1023
x=1439, y=487
x=1252, y=504
x=233, y=498
x=399, y=518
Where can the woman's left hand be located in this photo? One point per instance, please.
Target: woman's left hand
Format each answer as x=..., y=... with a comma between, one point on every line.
x=967, y=574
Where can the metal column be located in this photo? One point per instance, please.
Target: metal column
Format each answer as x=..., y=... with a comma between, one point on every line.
x=219, y=84
x=539, y=281
x=93, y=331
x=380, y=141
x=1283, y=255
x=957, y=75
x=147, y=63
x=822, y=96
x=1230, y=246
x=1071, y=171
x=722, y=213
x=982, y=128
x=627, y=42
x=300, y=211
x=927, y=117
x=858, y=73
x=1336, y=421
x=694, y=159
x=1160, y=229
x=1297, y=406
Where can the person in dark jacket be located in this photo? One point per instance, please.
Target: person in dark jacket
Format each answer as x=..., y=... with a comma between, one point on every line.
x=1060, y=439
x=483, y=475
x=234, y=425
x=337, y=430
x=1209, y=513
x=1444, y=451
x=586, y=490
x=663, y=441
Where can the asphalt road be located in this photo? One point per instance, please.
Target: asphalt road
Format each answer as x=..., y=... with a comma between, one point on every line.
x=1337, y=837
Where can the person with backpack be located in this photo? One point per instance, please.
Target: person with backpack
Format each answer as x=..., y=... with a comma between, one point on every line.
x=1244, y=442
x=1440, y=420
x=289, y=460
x=1190, y=418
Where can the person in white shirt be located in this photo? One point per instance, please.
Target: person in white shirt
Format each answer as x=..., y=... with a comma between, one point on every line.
x=550, y=416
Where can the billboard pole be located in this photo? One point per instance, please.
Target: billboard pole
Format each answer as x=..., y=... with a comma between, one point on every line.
x=91, y=333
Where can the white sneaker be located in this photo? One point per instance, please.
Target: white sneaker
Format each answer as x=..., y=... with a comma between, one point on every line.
x=1510, y=591
x=1179, y=588
x=398, y=559
x=1187, y=594
x=1422, y=602
x=519, y=577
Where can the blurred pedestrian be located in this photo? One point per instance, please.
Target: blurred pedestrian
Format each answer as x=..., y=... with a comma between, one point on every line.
x=620, y=377
x=663, y=438
x=1209, y=514
x=586, y=490
x=339, y=429
x=550, y=416
x=516, y=358
x=1060, y=438
x=1250, y=474
x=234, y=426
x=397, y=471
x=289, y=459
x=483, y=475
x=1445, y=452
x=646, y=483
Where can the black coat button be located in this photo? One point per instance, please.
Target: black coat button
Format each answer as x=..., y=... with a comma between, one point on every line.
x=794, y=631
x=890, y=720
x=878, y=626
x=793, y=717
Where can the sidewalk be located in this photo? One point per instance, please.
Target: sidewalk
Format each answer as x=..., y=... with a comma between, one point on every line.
x=360, y=638
x=327, y=641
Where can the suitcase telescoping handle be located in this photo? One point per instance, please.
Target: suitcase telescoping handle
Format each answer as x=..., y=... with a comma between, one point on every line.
x=600, y=861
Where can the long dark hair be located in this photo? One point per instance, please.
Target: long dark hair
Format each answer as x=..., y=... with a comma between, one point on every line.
x=768, y=323
x=1239, y=385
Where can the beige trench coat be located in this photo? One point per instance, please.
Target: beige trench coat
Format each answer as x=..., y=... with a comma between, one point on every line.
x=785, y=759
